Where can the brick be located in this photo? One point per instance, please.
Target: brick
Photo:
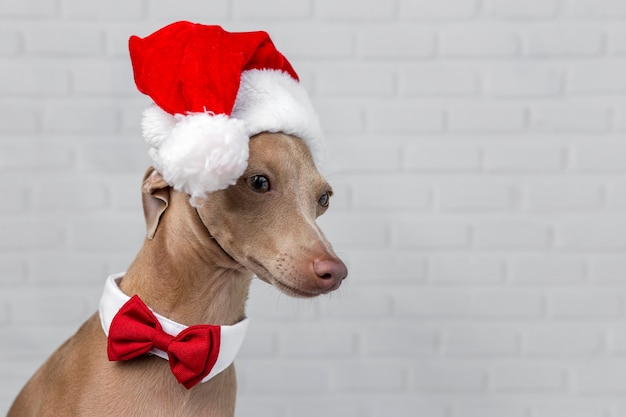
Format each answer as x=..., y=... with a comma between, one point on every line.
x=564, y=42
x=69, y=195
x=405, y=117
x=49, y=309
x=340, y=116
x=432, y=235
x=491, y=410
x=512, y=234
x=582, y=234
x=597, y=78
x=465, y=270
x=130, y=116
x=80, y=118
x=355, y=81
x=54, y=268
x=14, y=198
x=524, y=81
x=320, y=341
x=369, y=158
x=313, y=408
x=387, y=266
x=508, y=304
x=104, y=79
x=596, y=8
x=107, y=233
x=396, y=43
x=548, y=269
x=65, y=41
x=408, y=407
x=619, y=118
x=487, y=118
x=564, y=196
x=31, y=81
x=267, y=302
x=603, y=377
x=470, y=196
x=523, y=9
x=516, y=157
x=29, y=341
x=355, y=9
x=109, y=159
x=376, y=193
x=18, y=118
x=523, y=377
x=251, y=406
x=431, y=303
x=354, y=231
x=585, y=304
x=272, y=9
x=292, y=377
x=362, y=302
x=439, y=81
x=29, y=8
x=557, y=341
x=314, y=43
x=124, y=192
x=572, y=410
x=115, y=9
x=480, y=340
x=599, y=157
x=199, y=9
x=13, y=270
x=479, y=43
x=259, y=342
x=441, y=9
x=18, y=234
x=617, y=340
x=449, y=378
x=399, y=340
x=608, y=269
x=443, y=157
x=29, y=158
x=5, y=314
x=372, y=378
x=10, y=42
x=617, y=42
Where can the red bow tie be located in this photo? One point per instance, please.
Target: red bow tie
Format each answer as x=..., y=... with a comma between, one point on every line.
x=135, y=331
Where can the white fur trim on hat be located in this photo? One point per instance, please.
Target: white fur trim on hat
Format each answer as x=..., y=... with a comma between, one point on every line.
x=272, y=101
x=196, y=153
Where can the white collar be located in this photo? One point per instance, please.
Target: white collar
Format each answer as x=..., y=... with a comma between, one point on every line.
x=231, y=337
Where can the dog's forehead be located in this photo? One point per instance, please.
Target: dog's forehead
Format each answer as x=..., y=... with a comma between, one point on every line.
x=286, y=151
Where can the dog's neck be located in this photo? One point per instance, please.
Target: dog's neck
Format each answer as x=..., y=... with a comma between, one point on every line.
x=183, y=274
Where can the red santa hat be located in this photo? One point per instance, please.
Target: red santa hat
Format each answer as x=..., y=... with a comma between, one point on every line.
x=212, y=91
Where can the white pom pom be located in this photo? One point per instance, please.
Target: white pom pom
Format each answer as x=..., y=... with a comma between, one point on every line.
x=202, y=153
x=156, y=125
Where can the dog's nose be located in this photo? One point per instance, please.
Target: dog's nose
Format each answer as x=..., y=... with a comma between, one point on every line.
x=333, y=271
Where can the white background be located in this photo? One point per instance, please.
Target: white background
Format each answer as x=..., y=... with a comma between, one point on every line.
x=477, y=149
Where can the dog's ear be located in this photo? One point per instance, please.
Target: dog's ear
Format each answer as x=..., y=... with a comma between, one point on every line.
x=155, y=194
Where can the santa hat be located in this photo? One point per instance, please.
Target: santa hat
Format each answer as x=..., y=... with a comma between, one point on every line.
x=212, y=91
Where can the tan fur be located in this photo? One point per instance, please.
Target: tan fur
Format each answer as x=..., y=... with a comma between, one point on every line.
x=195, y=267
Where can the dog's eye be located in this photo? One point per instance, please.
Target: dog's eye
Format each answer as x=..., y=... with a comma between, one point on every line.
x=258, y=183
x=324, y=199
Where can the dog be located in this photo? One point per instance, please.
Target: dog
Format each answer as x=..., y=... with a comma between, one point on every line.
x=196, y=266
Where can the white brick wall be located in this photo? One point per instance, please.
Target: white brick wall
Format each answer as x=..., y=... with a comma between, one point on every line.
x=477, y=153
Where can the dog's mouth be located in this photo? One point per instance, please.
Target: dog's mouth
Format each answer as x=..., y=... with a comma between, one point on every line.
x=264, y=275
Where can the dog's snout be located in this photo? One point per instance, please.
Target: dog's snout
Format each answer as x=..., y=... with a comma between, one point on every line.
x=330, y=270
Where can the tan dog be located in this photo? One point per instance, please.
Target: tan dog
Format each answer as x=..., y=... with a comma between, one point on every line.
x=195, y=267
